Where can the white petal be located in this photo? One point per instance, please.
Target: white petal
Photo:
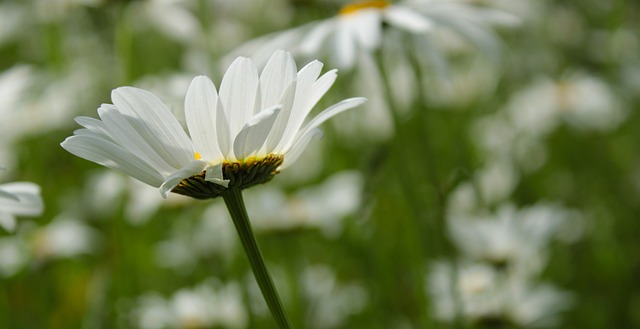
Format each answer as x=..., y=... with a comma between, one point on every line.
x=93, y=125
x=214, y=175
x=299, y=147
x=276, y=77
x=408, y=19
x=200, y=112
x=306, y=99
x=20, y=187
x=125, y=135
x=331, y=112
x=345, y=47
x=155, y=123
x=223, y=132
x=309, y=74
x=279, y=127
x=108, y=154
x=26, y=200
x=238, y=92
x=254, y=133
x=319, y=88
x=316, y=36
x=367, y=27
x=195, y=167
x=7, y=195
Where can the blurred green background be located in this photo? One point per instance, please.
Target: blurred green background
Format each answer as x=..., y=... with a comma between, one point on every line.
x=350, y=251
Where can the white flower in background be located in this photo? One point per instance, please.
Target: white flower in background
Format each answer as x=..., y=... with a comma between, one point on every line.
x=535, y=305
x=107, y=192
x=479, y=293
x=211, y=236
x=407, y=34
x=64, y=237
x=489, y=186
x=466, y=290
x=516, y=239
x=582, y=100
x=323, y=206
x=499, y=138
x=331, y=302
x=210, y=304
x=255, y=123
x=33, y=102
x=358, y=27
x=14, y=255
x=19, y=199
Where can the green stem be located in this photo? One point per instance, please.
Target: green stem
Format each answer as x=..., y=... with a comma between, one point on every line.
x=235, y=204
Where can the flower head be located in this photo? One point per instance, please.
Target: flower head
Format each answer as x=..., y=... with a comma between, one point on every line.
x=358, y=28
x=240, y=135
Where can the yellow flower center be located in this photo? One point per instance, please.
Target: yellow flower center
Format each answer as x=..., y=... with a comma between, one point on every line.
x=241, y=174
x=197, y=156
x=357, y=6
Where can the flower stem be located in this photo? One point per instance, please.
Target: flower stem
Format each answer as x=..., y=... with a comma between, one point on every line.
x=233, y=199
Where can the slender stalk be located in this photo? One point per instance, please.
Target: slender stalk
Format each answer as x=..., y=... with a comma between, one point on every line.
x=233, y=199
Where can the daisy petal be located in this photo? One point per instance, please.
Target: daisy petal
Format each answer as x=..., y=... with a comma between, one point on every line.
x=155, y=123
x=7, y=195
x=200, y=112
x=367, y=28
x=214, y=175
x=282, y=121
x=255, y=132
x=276, y=77
x=113, y=156
x=345, y=47
x=195, y=167
x=407, y=19
x=307, y=96
x=223, y=132
x=314, y=38
x=125, y=135
x=25, y=201
x=95, y=126
x=238, y=92
x=331, y=112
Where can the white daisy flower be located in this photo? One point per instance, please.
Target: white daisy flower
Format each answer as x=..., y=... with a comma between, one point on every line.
x=19, y=199
x=209, y=304
x=515, y=238
x=241, y=135
x=358, y=27
x=480, y=294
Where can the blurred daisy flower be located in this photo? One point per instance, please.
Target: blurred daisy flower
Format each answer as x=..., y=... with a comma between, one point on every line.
x=515, y=238
x=19, y=199
x=358, y=28
x=582, y=100
x=480, y=294
x=241, y=135
x=331, y=302
x=395, y=47
x=210, y=304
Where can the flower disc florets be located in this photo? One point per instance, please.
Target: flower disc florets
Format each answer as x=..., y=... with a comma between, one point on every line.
x=240, y=175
